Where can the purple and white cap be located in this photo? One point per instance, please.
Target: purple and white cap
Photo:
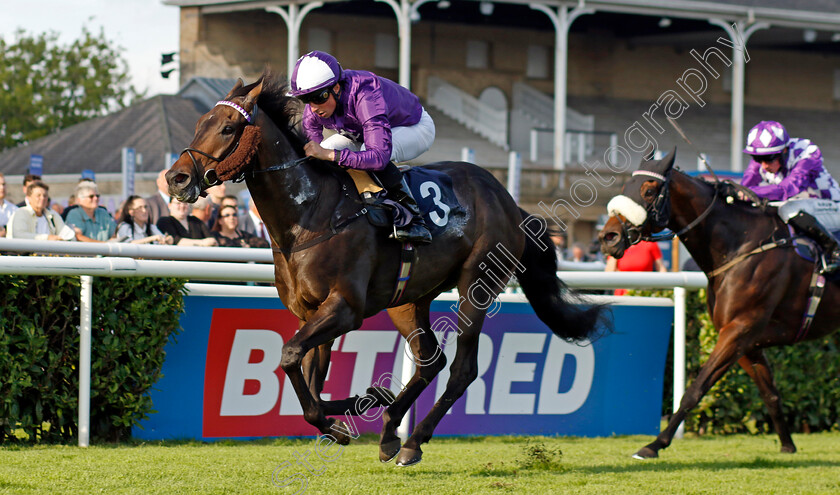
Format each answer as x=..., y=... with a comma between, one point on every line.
x=313, y=71
x=766, y=138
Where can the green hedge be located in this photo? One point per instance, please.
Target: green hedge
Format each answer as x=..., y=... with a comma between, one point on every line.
x=132, y=320
x=807, y=376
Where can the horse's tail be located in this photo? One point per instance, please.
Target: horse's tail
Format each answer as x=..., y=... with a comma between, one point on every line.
x=553, y=301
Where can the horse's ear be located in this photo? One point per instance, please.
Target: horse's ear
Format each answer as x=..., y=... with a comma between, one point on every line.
x=236, y=86
x=251, y=97
x=649, y=153
x=668, y=161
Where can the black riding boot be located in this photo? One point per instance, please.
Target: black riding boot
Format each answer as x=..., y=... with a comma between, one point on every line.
x=807, y=224
x=416, y=231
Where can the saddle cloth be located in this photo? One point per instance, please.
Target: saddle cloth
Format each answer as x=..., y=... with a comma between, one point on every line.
x=431, y=189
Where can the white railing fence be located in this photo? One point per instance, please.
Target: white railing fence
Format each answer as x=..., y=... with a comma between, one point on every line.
x=252, y=268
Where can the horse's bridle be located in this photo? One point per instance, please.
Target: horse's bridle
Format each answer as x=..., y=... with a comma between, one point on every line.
x=659, y=212
x=210, y=176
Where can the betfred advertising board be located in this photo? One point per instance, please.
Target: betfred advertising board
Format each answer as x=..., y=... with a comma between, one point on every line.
x=222, y=377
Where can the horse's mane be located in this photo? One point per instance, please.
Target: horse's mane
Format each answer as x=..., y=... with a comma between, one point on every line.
x=285, y=111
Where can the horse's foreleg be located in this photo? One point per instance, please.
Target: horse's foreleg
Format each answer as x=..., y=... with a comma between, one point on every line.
x=314, y=367
x=333, y=318
x=726, y=352
x=756, y=365
x=412, y=320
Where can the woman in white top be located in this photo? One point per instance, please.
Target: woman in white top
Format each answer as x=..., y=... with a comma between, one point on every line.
x=135, y=226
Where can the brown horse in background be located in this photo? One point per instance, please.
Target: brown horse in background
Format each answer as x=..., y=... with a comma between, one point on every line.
x=755, y=301
x=332, y=271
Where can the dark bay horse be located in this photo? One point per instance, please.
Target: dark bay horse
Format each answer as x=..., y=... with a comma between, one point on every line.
x=332, y=272
x=755, y=301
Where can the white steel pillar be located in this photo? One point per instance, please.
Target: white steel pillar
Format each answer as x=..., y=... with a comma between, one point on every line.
x=406, y=11
x=562, y=18
x=738, y=37
x=293, y=15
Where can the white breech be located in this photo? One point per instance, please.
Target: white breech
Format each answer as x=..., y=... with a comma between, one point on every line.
x=826, y=212
x=407, y=143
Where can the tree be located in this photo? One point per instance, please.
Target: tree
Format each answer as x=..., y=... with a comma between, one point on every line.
x=45, y=86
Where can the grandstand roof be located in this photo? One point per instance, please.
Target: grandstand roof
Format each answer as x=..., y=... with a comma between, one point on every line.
x=153, y=127
x=816, y=14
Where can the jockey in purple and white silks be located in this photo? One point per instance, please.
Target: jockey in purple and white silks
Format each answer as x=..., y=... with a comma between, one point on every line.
x=378, y=122
x=791, y=170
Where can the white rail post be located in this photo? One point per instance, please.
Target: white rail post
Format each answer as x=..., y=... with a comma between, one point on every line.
x=514, y=173
x=679, y=353
x=467, y=155
x=85, y=306
x=534, y=144
x=404, y=429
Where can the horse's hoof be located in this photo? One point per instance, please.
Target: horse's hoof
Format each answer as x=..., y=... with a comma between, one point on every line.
x=646, y=453
x=384, y=396
x=409, y=457
x=337, y=431
x=389, y=450
x=788, y=449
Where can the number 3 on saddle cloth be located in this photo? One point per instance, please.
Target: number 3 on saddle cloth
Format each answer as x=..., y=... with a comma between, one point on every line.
x=431, y=189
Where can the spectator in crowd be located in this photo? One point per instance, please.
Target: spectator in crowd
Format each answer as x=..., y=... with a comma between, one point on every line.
x=72, y=203
x=227, y=232
x=579, y=253
x=135, y=226
x=231, y=200
x=215, y=195
x=36, y=221
x=58, y=208
x=158, y=202
x=28, y=179
x=559, y=241
x=93, y=223
x=6, y=207
x=252, y=223
x=201, y=210
x=185, y=229
x=642, y=257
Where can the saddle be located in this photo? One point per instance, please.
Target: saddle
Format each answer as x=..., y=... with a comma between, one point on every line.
x=432, y=190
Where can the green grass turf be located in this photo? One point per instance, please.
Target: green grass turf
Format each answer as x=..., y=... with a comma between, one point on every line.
x=738, y=464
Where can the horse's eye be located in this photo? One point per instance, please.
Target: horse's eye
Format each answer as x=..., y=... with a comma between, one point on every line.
x=227, y=130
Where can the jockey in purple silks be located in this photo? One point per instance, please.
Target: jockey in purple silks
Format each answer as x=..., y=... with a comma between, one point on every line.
x=378, y=122
x=791, y=170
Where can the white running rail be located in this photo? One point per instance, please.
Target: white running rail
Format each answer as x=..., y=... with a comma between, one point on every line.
x=250, y=272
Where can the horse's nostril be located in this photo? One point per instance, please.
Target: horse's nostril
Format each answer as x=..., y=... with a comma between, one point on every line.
x=181, y=178
x=610, y=237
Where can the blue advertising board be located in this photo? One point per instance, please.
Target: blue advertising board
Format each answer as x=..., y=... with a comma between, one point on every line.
x=36, y=164
x=222, y=377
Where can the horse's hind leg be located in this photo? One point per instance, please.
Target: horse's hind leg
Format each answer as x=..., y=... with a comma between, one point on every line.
x=756, y=365
x=412, y=320
x=463, y=371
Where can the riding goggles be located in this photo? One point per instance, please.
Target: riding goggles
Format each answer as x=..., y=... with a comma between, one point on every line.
x=317, y=97
x=767, y=158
